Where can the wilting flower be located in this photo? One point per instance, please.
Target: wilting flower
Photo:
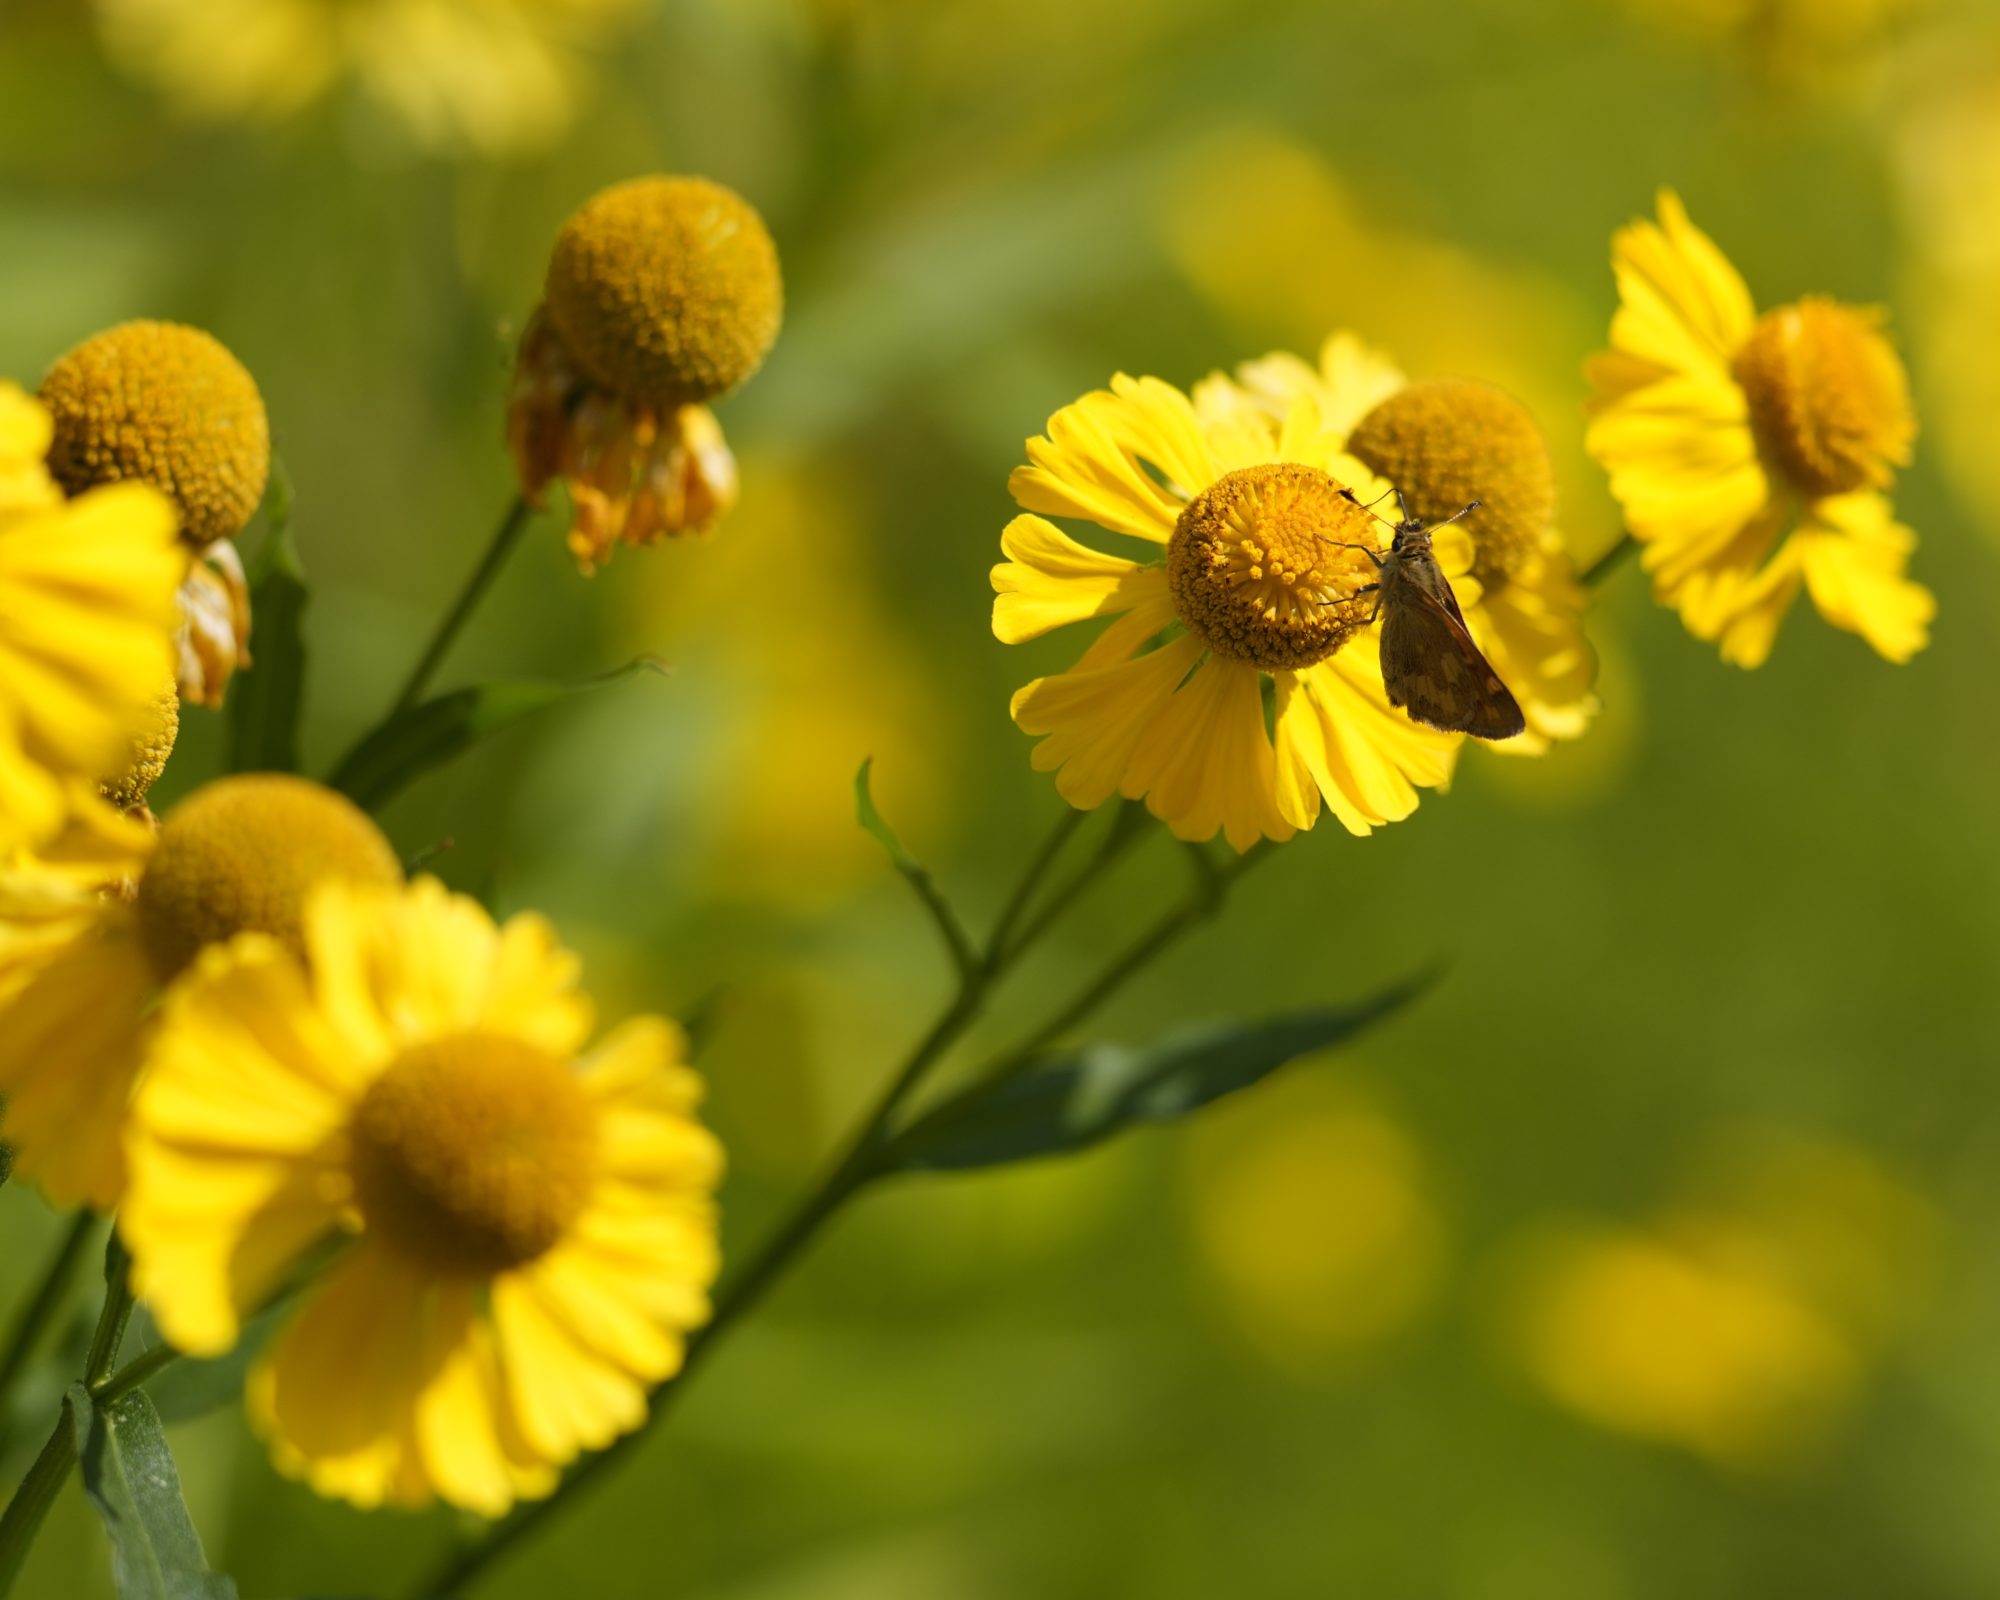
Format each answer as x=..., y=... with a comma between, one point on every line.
x=662, y=294
x=168, y=405
x=1751, y=454
x=531, y=1223
x=1255, y=581
x=86, y=616
x=89, y=937
x=1444, y=443
x=485, y=75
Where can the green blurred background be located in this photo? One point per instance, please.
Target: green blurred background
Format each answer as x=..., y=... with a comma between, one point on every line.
x=1653, y=1254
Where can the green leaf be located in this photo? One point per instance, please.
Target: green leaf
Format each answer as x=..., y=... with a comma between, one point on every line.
x=129, y=1475
x=266, y=697
x=963, y=956
x=412, y=742
x=1070, y=1102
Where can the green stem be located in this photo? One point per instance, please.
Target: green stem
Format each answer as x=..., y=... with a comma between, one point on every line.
x=47, y=1300
x=1609, y=562
x=1122, y=837
x=111, y=1321
x=1017, y=903
x=505, y=537
x=859, y=1165
x=22, y=1519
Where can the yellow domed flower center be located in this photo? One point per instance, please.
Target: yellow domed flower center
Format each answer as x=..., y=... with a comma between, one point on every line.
x=152, y=747
x=240, y=855
x=166, y=405
x=666, y=290
x=473, y=1153
x=1828, y=397
x=1448, y=442
x=1259, y=570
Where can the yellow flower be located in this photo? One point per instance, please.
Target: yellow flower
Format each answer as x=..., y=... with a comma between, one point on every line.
x=1750, y=453
x=1444, y=443
x=662, y=294
x=93, y=929
x=168, y=405
x=489, y=76
x=86, y=612
x=532, y=1225
x=150, y=750
x=1256, y=579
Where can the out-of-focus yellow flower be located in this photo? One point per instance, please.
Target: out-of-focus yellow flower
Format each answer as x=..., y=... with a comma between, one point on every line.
x=662, y=294
x=762, y=797
x=1645, y=1336
x=86, y=615
x=1313, y=1210
x=151, y=748
x=168, y=405
x=92, y=930
x=1751, y=453
x=532, y=1222
x=1443, y=444
x=1254, y=581
x=1741, y=1322
x=486, y=76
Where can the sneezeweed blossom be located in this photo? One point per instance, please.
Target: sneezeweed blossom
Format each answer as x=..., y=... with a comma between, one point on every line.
x=530, y=1219
x=1252, y=583
x=1753, y=454
x=662, y=294
x=86, y=617
x=93, y=931
x=1444, y=443
x=480, y=76
x=168, y=405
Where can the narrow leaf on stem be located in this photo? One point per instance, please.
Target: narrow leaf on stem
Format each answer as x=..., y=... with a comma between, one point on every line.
x=963, y=956
x=129, y=1475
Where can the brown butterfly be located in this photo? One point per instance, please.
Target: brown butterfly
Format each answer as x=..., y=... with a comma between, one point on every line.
x=1430, y=665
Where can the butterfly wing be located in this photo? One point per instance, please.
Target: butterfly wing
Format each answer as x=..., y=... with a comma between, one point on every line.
x=1434, y=671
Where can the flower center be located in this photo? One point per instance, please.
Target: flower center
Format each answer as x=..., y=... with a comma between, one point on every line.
x=1828, y=398
x=1259, y=569
x=241, y=854
x=1448, y=442
x=473, y=1153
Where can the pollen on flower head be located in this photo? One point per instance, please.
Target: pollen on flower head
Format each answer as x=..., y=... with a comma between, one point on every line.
x=473, y=1153
x=241, y=855
x=167, y=405
x=1259, y=568
x=151, y=748
x=1447, y=442
x=666, y=290
x=1829, y=400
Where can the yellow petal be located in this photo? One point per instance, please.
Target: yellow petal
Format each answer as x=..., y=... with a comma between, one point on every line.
x=1051, y=580
x=1855, y=555
x=1093, y=463
x=1094, y=717
x=1337, y=730
x=1203, y=762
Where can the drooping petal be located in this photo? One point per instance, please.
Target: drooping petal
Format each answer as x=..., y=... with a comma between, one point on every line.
x=1094, y=461
x=1856, y=556
x=1093, y=717
x=1203, y=763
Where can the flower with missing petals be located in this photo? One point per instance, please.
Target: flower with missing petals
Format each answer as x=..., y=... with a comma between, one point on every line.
x=662, y=294
x=168, y=405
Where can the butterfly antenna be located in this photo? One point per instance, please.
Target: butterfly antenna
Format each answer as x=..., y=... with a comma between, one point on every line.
x=1466, y=511
x=1370, y=505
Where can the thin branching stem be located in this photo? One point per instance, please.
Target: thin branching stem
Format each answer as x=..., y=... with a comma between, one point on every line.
x=505, y=537
x=862, y=1160
x=48, y=1299
x=1609, y=562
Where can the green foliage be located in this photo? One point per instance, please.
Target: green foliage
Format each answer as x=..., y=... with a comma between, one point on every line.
x=1069, y=1102
x=412, y=742
x=129, y=1475
x=266, y=699
x=963, y=956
